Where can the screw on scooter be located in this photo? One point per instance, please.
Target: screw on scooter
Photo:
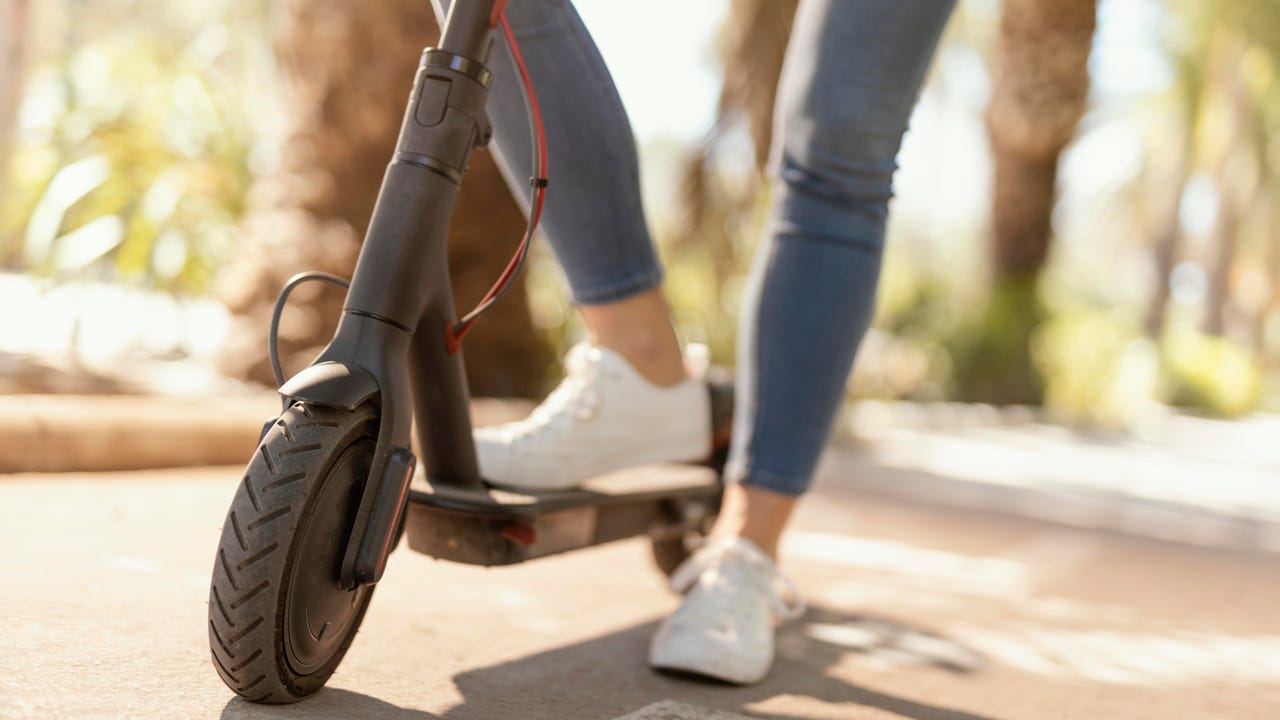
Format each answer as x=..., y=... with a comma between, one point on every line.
x=331, y=486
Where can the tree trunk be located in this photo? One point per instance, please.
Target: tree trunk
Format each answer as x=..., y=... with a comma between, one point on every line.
x=1273, y=273
x=753, y=42
x=716, y=214
x=13, y=56
x=1041, y=85
x=349, y=68
x=1231, y=187
x=1268, y=348
x=1168, y=239
x=1218, y=297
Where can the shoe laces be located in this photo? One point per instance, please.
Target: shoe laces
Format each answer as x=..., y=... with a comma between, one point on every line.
x=577, y=396
x=709, y=566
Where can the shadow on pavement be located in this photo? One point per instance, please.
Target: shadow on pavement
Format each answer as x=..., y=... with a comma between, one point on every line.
x=328, y=704
x=608, y=676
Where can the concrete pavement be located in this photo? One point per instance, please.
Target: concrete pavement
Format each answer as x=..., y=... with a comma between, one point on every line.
x=917, y=612
x=1196, y=480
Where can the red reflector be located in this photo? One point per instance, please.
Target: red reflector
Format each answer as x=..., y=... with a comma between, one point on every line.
x=519, y=533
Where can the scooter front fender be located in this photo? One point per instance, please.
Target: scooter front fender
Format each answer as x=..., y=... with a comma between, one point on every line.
x=332, y=384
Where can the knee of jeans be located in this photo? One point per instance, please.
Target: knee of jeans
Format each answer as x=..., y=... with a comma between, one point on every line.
x=841, y=154
x=836, y=171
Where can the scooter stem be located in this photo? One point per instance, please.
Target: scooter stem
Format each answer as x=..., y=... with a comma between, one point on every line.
x=390, y=346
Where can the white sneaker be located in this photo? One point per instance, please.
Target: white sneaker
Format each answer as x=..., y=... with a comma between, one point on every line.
x=724, y=628
x=603, y=416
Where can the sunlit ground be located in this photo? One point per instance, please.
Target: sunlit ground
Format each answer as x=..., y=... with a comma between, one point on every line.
x=1021, y=628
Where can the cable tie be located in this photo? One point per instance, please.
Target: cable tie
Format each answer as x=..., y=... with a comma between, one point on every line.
x=453, y=336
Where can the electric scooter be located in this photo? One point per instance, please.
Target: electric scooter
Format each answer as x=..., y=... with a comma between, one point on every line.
x=333, y=483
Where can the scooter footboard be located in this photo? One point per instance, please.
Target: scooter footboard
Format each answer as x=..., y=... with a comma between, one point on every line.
x=499, y=527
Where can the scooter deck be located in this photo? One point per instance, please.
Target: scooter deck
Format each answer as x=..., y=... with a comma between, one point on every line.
x=626, y=485
x=494, y=526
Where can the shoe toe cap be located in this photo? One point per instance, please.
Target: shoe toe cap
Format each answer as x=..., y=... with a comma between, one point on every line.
x=504, y=461
x=715, y=652
x=493, y=454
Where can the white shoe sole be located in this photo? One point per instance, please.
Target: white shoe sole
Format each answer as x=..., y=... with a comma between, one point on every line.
x=708, y=663
x=659, y=451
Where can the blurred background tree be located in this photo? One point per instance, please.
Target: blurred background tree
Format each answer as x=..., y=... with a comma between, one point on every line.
x=13, y=60
x=719, y=206
x=348, y=70
x=1077, y=350
x=1041, y=84
x=133, y=164
x=1086, y=218
x=1041, y=88
x=139, y=166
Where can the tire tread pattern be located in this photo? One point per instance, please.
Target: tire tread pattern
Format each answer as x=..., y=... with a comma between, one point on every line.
x=246, y=597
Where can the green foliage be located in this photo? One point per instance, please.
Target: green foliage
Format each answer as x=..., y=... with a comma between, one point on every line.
x=1210, y=374
x=707, y=259
x=705, y=306
x=132, y=163
x=993, y=362
x=905, y=356
x=135, y=150
x=1097, y=367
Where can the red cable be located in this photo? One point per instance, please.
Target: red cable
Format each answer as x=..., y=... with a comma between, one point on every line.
x=454, y=333
x=495, y=12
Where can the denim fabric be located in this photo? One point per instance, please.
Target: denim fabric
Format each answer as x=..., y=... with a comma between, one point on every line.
x=852, y=75
x=593, y=216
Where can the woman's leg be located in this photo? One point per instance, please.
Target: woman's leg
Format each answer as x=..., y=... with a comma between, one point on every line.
x=626, y=399
x=593, y=215
x=852, y=75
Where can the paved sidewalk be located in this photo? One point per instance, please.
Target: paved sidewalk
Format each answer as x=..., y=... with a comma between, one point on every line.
x=915, y=613
x=1213, y=483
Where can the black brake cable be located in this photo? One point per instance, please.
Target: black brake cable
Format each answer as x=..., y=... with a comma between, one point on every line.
x=281, y=300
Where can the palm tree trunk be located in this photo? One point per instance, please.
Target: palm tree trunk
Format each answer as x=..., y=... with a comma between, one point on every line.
x=1168, y=241
x=1218, y=298
x=716, y=215
x=1271, y=310
x=754, y=41
x=1041, y=85
x=13, y=56
x=349, y=68
x=1230, y=188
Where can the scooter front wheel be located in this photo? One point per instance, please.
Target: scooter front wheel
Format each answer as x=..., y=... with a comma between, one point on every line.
x=279, y=619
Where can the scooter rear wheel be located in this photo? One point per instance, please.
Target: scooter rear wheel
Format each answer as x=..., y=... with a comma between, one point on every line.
x=279, y=620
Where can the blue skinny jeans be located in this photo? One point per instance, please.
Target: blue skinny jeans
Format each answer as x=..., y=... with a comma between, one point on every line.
x=852, y=74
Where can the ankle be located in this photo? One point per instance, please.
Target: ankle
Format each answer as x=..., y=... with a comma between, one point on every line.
x=767, y=545
x=754, y=514
x=639, y=329
x=660, y=363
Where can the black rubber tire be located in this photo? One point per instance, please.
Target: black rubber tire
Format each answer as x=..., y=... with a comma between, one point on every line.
x=302, y=458
x=668, y=554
